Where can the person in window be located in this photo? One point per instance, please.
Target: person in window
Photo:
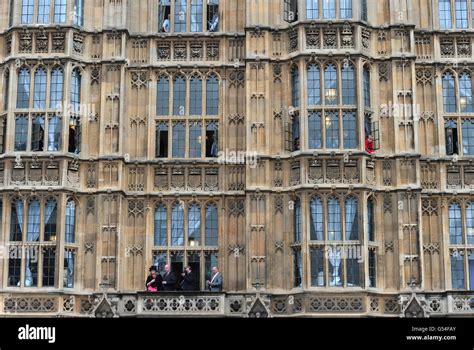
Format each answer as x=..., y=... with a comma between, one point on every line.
x=215, y=284
x=153, y=281
x=296, y=144
x=188, y=284
x=214, y=149
x=369, y=144
x=166, y=25
x=214, y=23
x=169, y=279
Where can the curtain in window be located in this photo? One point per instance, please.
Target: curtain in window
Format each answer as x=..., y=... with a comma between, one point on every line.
x=33, y=228
x=19, y=218
x=49, y=211
x=352, y=225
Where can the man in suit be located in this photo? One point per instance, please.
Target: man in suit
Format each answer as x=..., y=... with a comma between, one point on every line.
x=169, y=279
x=188, y=284
x=215, y=284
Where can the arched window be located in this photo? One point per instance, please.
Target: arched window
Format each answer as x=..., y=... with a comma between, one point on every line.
x=329, y=9
x=334, y=220
x=23, y=90
x=212, y=230
x=348, y=84
x=314, y=129
x=27, y=10
x=161, y=224
x=345, y=9
x=16, y=221
x=195, y=96
x=352, y=219
x=465, y=93
x=60, y=11
x=449, y=93
x=445, y=19
x=56, y=88
x=332, y=130
x=163, y=97
x=177, y=225
x=295, y=87
x=212, y=95
x=179, y=96
x=330, y=85
x=75, y=90
x=314, y=85
x=33, y=222
x=50, y=214
x=43, y=11
x=70, y=232
x=366, y=82
x=455, y=224
x=194, y=225
x=312, y=9
x=461, y=14
x=317, y=222
x=39, y=100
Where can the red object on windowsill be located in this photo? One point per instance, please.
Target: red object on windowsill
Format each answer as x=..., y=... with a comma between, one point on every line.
x=369, y=145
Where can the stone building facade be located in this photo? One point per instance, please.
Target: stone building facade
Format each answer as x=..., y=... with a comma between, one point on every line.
x=320, y=152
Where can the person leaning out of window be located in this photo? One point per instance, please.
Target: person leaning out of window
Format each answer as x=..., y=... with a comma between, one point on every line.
x=215, y=284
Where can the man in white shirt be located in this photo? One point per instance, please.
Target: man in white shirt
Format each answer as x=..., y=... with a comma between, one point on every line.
x=215, y=284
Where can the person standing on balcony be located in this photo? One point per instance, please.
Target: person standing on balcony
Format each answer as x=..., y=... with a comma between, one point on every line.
x=188, y=284
x=169, y=279
x=153, y=282
x=215, y=284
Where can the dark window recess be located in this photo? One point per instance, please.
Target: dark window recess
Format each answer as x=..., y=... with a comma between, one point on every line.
x=212, y=141
x=3, y=134
x=451, y=130
x=164, y=16
x=74, y=137
x=290, y=13
x=161, y=142
x=296, y=134
x=213, y=15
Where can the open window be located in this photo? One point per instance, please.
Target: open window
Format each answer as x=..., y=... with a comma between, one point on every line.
x=451, y=132
x=290, y=10
x=37, y=136
x=162, y=140
x=74, y=136
x=213, y=15
x=164, y=16
x=212, y=140
x=372, y=134
x=3, y=133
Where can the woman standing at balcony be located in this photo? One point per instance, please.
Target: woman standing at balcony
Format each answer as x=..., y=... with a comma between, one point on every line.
x=154, y=281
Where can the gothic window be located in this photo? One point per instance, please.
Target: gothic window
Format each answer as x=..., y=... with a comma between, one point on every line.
x=212, y=95
x=348, y=84
x=470, y=223
x=372, y=269
x=16, y=221
x=195, y=140
x=314, y=85
x=334, y=220
x=161, y=226
x=363, y=10
x=179, y=96
x=297, y=221
x=451, y=133
x=211, y=238
x=56, y=88
x=371, y=219
x=314, y=130
x=11, y=10
x=27, y=10
x=37, y=134
x=23, y=90
x=312, y=9
x=33, y=223
x=75, y=135
x=54, y=134
x=468, y=137
x=366, y=82
x=296, y=133
x=50, y=214
x=330, y=85
x=3, y=134
x=332, y=130
x=465, y=93
x=162, y=140
x=39, y=100
x=461, y=14
x=457, y=271
x=177, y=225
x=43, y=11
x=329, y=9
x=194, y=225
x=164, y=16
x=163, y=96
x=49, y=267
x=346, y=9
x=6, y=89
x=70, y=231
x=213, y=15
x=449, y=93
x=318, y=278
x=60, y=11
x=350, y=130
x=21, y=133
x=75, y=90
x=179, y=140
x=316, y=220
x=195, y=96
x=445, y=21
x=180, y=15
x=212, y=140
x=69, y=268
x=455, y=224
x=352, y=219
x=79, y=12
x=196, y=15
